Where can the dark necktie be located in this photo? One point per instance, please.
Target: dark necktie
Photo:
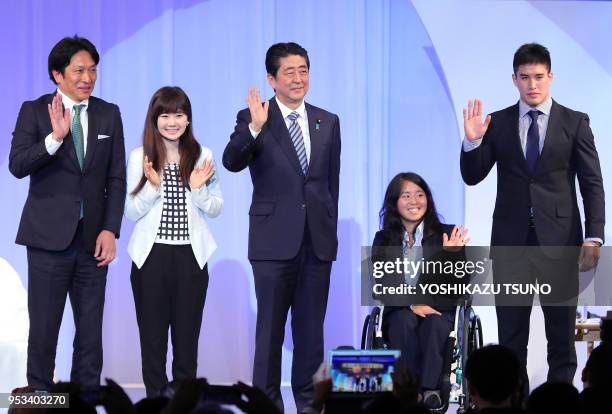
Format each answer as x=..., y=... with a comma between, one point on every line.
x=77, y=138
x=77, y=134
x=298, y=140
x=532, y=150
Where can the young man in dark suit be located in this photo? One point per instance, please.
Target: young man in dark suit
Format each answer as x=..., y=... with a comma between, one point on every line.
x=292, y=150
x=70, y=144
x=540, y=148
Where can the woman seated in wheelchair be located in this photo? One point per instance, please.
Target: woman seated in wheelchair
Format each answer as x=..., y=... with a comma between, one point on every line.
x=420, y=327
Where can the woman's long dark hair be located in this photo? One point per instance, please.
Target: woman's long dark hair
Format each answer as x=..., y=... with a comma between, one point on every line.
x=389, y=216
x=169, y=100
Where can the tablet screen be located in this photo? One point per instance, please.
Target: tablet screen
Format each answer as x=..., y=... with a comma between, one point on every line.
x=362, y=371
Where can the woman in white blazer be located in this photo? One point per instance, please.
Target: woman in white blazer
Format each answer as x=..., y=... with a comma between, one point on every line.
x=172, y=187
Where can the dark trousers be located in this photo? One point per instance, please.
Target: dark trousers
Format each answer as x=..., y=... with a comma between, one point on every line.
x=169, y=293
x=51, y=277
x=559, y=320
x=422, y=341
x=301, y=284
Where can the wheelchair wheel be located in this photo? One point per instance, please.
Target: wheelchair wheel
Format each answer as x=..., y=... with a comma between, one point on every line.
x=368, y=333
x=364, y=332
x=472, y=340
x=475, y=340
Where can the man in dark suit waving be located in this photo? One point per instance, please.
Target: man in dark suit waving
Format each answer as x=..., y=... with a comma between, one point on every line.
x=292, y=150
x=70, y=144
x=540, y=147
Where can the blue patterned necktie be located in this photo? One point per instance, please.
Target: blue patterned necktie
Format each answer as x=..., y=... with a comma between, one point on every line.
x=298, y=140
x=532, y=150
x=77, y=134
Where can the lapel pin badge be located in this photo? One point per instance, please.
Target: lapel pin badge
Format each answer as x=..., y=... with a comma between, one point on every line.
x=318, y=124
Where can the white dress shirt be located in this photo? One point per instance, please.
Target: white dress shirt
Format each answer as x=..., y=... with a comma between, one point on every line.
x=413, y=253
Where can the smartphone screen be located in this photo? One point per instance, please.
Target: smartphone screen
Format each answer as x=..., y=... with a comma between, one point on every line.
x=362, y=371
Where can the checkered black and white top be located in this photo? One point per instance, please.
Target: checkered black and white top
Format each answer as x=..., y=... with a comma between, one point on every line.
x=173, y=227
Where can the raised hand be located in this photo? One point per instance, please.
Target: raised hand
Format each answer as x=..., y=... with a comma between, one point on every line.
x=60, y=118
x=150, y=173
x=201, y=175
x=259, y=112
x=472, y=121
x=458, y=239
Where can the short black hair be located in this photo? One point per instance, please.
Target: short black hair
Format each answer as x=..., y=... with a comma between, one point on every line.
x=531, y=53
x=62, y=52
x=494, y=372
x=281, y=50
x=554, y=397
x=599, y=366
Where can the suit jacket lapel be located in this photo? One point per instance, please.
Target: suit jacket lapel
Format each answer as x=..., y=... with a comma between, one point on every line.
x=69, y=143
x=314, y=130
x=515, y=136
x=279, y=130
x=553, y=131
x=92, y=133
x=431, y=244
x=434, y=239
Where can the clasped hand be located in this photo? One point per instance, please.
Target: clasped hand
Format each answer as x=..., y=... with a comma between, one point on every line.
x=199, y=175
x=150, y=173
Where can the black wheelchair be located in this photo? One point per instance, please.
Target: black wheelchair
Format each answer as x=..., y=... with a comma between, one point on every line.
x=465, y=337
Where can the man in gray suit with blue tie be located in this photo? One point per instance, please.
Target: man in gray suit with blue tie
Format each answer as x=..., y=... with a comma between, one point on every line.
x=292, y=150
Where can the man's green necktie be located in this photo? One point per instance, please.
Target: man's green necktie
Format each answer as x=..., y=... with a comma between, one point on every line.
x=77, y=138
x=77, y=134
